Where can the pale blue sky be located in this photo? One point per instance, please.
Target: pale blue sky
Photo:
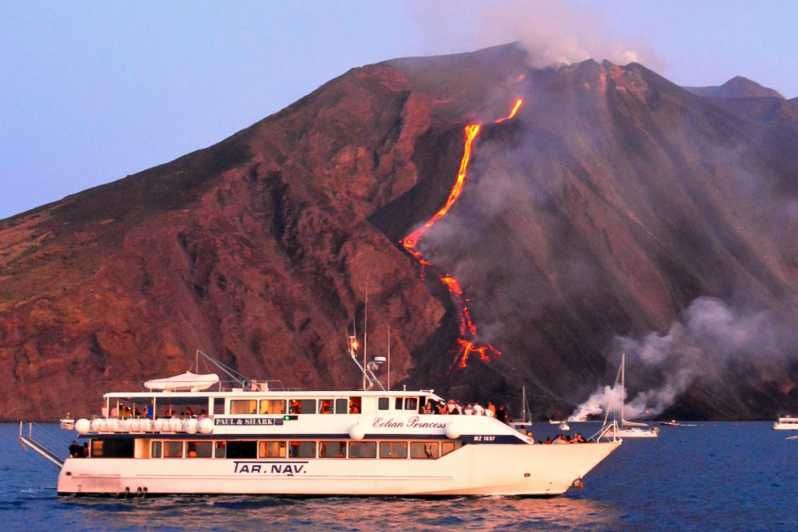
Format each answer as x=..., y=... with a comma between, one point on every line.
x=93, y=91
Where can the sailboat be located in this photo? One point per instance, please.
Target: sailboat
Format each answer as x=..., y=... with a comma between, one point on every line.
x=624, y=428
x=525, y=423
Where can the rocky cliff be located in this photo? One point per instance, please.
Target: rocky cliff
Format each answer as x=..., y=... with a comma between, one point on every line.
x=609, y=204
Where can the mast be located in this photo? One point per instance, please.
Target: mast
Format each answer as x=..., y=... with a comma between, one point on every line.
x=389, y=357
x=623, y=383
x=365, y=337
x=523, y=402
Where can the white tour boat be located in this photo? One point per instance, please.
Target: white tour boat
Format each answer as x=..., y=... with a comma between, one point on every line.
x=181, y=438
x=786, y=423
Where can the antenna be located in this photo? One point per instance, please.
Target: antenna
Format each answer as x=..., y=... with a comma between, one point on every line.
x=389, y=357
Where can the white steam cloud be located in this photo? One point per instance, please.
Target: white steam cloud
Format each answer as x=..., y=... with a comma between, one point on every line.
x=710, y=336
x=554, y=33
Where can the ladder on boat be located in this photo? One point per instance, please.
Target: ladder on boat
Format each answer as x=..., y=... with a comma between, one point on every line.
x=38, y=448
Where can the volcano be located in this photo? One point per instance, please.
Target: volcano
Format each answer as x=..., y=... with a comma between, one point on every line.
x=609, y=202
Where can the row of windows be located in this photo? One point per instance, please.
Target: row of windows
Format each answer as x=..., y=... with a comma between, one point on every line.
x=249, y=449
x=295, y=406
x=351, y=405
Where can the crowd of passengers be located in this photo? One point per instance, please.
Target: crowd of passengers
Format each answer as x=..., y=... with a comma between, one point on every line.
x=454, y=408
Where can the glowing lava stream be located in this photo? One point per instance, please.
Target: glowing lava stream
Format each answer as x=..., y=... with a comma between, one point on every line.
x=468, y=329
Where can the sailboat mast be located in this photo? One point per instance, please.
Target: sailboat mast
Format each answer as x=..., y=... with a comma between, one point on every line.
x=523, y=402
x=623, y=383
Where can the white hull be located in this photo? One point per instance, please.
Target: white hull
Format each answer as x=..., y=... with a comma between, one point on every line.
x=785, y=426
x=637, y=433
x=476, y=469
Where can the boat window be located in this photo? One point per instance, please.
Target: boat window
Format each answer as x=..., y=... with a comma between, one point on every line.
x=155, y=449
x=449, y=446
x=393, y=449
x=397, y=404
x=362, y=449
x=220, y=449
x=243, y=406
x=302, y=406
x=271, y=449
x=411, y=403
x=173, y=449
x=354, y=405
x=112, y=448
x=325, y=406
x=198, y=449
x=272, y=406
x=332, y=449
x=96, y=448
x=302, y=449
x=218, y=406
x=383, y=403
x=341, y=407
x=424, y=450
x=242, y=449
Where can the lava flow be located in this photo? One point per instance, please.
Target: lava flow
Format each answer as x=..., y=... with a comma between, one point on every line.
x=467, y=343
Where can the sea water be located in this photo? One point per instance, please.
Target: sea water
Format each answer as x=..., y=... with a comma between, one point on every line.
x=741, y=476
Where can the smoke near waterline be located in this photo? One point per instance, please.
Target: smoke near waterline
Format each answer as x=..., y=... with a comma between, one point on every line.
x=709, y=336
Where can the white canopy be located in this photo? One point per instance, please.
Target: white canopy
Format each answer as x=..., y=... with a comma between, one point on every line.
x=184, y=382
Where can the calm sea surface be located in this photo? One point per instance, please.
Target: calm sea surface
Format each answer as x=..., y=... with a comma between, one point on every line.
x=741, y=476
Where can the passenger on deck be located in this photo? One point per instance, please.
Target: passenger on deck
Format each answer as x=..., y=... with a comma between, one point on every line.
x=452, y=408
x=295, y=407
x=442, y=410
x=501, y=414
x=75, y=450
x=427, y=408
x=578, y=438
x=479, y=410
x=468, y=410
x=491, y=409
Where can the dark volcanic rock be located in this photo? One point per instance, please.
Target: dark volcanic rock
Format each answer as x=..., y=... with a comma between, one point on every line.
x=606, y=207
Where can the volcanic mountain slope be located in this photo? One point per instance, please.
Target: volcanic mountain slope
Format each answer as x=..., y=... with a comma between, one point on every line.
x=612, y=201
x=737, y=87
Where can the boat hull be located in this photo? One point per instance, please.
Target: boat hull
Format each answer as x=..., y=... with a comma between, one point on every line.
x=494, y=469
x=625, y=433
x=785, y=426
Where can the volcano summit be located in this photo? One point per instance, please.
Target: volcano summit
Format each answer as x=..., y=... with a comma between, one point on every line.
x=615, y=209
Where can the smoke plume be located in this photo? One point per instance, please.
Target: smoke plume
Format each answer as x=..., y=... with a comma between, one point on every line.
x=709, y=337
x=554, y=33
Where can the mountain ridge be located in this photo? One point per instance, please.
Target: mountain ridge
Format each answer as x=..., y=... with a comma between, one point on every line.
x=605, y=208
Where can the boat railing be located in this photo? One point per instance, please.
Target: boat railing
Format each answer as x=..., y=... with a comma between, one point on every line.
x=608, y=431
x=27, y=441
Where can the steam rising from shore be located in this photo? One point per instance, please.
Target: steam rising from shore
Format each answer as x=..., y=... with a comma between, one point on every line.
x=709, y=336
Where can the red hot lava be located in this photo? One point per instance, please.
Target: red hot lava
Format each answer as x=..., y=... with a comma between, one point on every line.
x=467, y=343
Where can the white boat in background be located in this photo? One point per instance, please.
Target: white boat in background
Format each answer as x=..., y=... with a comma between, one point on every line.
x=623, y=428
x=786, y=423
x=564, y=426
x=254, y=440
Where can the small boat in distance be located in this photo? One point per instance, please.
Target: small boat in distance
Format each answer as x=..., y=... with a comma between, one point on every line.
x=671, y=423
x=786, y=423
